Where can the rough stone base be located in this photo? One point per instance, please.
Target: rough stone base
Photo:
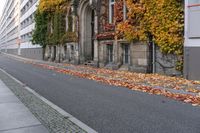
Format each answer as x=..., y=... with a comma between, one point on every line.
x=166, y=64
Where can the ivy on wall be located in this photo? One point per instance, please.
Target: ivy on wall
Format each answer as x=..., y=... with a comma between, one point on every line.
x=163, y=19
x=40, y=35
x=50, y=19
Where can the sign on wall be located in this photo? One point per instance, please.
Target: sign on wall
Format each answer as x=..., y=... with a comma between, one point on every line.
x=194, y=18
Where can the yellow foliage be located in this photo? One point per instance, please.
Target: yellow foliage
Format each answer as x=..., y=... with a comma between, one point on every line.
x=162, y=18
x=52, y=5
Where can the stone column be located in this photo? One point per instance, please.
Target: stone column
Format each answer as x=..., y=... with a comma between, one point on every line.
x=52, y=53
x=96, y=43
x=58, y=48
x=46, y=52
x=115, y=52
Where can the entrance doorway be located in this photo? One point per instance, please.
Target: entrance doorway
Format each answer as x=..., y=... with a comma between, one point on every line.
x=87, y=23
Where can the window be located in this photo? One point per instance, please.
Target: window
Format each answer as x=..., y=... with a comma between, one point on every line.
x=69, y=21
x=110, y=53
x=124, y=10
x=194, y=19
x=126, y=53
x=66, y=19
x=111, y=11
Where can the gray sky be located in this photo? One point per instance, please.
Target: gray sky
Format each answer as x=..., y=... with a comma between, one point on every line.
x=2, y=3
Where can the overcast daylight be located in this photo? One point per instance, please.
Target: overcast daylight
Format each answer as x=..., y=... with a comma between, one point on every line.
x=2, y=4
x=100, y=66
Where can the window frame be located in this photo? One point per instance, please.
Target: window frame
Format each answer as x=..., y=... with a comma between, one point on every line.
x=111, y=3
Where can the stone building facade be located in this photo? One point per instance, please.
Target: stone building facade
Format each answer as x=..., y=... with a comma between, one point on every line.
x=92, y=40
x=94, y=23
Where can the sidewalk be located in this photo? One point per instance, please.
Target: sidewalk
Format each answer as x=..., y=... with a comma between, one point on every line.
x=14, y=116
x=54, y=119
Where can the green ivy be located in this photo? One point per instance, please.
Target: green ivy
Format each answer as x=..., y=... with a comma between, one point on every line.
x=40, y=35
x=51, y=25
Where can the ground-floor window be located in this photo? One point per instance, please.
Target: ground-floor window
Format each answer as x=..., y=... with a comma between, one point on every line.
x=54, y=52
x=110, y=52
x=72, y=52
x=126, y=53
x=65, y=51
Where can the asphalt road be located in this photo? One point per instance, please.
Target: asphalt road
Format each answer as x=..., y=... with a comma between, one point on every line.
x=107, y=109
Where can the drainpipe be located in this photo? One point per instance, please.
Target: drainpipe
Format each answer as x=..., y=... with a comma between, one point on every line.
x=154, y=57
x=150, y=53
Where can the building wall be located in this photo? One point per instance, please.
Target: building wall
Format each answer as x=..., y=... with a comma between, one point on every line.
x=137, y=55
x=9, y=25
x=192, y=40
x=76, y=52
x=16, y=39
x=27, y=25
x=192, y=63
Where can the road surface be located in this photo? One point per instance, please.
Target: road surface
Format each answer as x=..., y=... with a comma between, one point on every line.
x=107, y=109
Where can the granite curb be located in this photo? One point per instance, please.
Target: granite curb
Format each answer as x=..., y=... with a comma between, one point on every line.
x=51, y=116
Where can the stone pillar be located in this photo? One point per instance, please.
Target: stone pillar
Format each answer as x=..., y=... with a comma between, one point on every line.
x=51, y=54
x=47, y=53
x=75, y=55
x=62, y=53
x=52, y=58
x=115, y=52
x=96, y=43
x=58, y=53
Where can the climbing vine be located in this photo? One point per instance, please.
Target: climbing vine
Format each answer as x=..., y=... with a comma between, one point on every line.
x=163, y=19
x=40, y=35
x=51, y=25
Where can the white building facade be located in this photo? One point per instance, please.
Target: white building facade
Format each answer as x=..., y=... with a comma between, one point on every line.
x=16, y=39
x=192, y=40
x=9, y=26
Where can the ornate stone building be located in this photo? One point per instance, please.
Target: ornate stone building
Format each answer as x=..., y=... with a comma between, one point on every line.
x=90, y=38
x=94, y=23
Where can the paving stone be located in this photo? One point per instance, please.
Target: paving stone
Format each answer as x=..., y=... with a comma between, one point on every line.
x=33, y=129
x=10, y=120
x=8, y=98
x=50, y=118
x=14, y=116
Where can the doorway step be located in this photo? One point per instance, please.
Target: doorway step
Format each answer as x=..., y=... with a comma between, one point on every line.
x=90, y=63
x=112, y=66
x=124, y=68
